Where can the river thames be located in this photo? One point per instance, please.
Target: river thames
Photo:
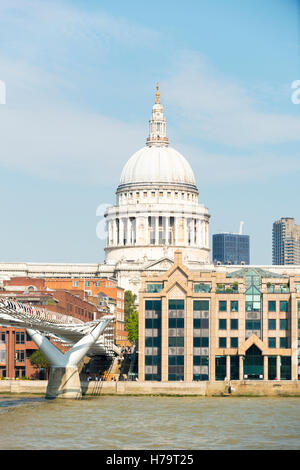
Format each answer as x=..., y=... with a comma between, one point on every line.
x=134, y=423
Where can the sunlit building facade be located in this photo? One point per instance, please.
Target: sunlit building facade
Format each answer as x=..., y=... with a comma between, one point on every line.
x=211, y=326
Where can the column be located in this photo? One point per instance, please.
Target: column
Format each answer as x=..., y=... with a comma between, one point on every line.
x=198, y=233
x=156, y=230
x=241, y=366
x=206, y=235
x=265, y=367
x=185, y=228
x=128, y=241
x=110, y=233
x=193, y=232
x=115, y=233
x=164, y=339
x=278, y=367
x=188, y=341
x=121, y=231
x=147, y=241
x=167, y=230
x=175, y=231
x=228, y=367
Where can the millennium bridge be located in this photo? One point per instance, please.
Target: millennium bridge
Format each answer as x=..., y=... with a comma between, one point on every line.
x=82, y=338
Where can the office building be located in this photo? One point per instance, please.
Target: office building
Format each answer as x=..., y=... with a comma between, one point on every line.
x=231, y=248
x=286, y=242
x=235, y=323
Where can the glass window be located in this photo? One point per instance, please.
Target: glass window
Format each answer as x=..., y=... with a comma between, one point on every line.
x=201, y=342
x=272, y=324
x=283, y=324
x=97, y=283
x=234, y=324
x=272, y=305
x=154, y=288
x=234, y=306
x=201, y=323
x=252, y=324
x=75, y=283
x=200, y=360
x=283, y=342
x=234, y=342
x=272, y=342
x=222, y=342
x=176, y=322
x=220, y=365
x=153, y=305
x=2, y=338
x=86, y=283
x=201, y=305
x=201, y=287
x=222, y=324
x=283, y=306
x=298, y=305
x=285, y=367
x=20, y=338
x=222, y=305
x=176, y=341
x=176, y=304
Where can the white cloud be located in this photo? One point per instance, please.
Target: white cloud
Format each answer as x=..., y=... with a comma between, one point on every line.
x=66, y=144
x=217, y=110
x=214, y=168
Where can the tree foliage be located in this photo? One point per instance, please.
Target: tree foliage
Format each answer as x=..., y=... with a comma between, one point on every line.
x=38, y=360
x=132, y=327
x=131, y=316
x=129, y=303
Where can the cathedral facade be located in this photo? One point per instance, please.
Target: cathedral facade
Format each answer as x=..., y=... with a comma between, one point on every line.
x=157, y=210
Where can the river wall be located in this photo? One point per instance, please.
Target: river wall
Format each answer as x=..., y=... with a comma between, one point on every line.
x=237, y=388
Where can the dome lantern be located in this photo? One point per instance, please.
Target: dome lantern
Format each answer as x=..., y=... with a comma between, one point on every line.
x=157, y=124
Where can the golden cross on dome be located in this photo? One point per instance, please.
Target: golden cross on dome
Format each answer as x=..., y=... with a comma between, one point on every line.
x=157, y=101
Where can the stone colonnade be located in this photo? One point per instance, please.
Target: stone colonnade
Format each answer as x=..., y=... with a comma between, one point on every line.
x=158, y=230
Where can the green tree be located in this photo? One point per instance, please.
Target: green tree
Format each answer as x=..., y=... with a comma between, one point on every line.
x=129, y=303
x=132, y=327
x=38, y=361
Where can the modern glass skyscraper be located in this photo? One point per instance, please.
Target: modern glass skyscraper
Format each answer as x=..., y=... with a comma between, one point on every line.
x=231, y=248
x=286, y=242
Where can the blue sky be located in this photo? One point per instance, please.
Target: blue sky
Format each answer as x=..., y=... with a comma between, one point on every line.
x=80, y=80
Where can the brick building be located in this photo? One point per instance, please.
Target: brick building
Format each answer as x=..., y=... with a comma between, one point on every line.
x=105, y=289
x=16, y=345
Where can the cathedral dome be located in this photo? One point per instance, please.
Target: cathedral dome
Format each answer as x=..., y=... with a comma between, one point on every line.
x=159, y=165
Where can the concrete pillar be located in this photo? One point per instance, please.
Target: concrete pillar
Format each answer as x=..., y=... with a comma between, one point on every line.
x=164, y=339
x=241, y=367
x=265, y=367
x=278, y=367
x=228, y=367
x=64, y=381
x=188, y=341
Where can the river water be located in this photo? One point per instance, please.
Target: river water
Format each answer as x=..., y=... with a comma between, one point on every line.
x=133, y=423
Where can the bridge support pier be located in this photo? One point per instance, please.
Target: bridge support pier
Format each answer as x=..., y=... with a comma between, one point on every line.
x=64, y=381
